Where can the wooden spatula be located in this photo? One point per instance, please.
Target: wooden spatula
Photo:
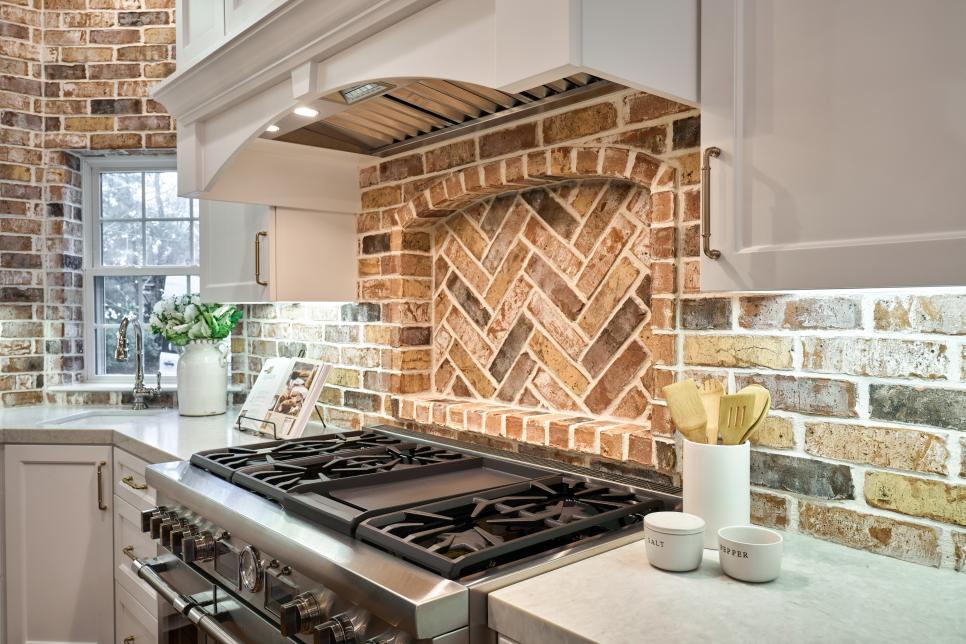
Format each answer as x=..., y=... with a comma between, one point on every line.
x=736, y=415
x=762, y=405
x=687, y=411
x=711, y=392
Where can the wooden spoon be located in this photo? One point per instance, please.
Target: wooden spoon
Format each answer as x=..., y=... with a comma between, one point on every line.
x=687, y=411
x=711, y=392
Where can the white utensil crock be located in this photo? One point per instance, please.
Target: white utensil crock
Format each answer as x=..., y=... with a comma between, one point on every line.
x=202, y=379
x=717, y=486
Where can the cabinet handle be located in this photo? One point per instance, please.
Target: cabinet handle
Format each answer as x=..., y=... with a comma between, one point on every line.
x=258, y=258
x=131, y=483
x=129, y=552
x=709, y=153
x=129, y=639
x=100, y=486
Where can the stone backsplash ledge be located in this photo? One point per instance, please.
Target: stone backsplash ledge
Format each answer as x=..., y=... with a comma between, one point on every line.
x=865, y=444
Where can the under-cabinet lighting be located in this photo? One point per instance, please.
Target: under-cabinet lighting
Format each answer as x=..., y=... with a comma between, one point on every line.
x=306, y=111
x=272, y=128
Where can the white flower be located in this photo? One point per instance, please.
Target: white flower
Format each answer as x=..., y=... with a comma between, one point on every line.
x=190, y=313
x=158, y=307
x=196, y=299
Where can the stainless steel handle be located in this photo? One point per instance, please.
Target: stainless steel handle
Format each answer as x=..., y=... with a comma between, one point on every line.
x=258, y=258
x=709, y=153
x=131, y=483
x=195, y=614
x=100, y=487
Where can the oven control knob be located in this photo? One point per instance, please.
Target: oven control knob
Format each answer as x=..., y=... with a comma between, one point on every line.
x=178, y=536
x=199, y=547
x=337, y=630
x=146, y=517
x=158, y=519
x=301, y=614
x=167, y=527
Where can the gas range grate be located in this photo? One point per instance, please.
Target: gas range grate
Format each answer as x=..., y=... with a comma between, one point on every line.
x=468, y=534
x=275, y=479
x=225, y=462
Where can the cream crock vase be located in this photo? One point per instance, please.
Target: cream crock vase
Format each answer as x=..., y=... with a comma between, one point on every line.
x=202, y=379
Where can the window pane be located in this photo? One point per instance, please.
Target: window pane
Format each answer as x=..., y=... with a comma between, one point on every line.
x=161, y=198
x=121, y=243
x=117, y=298
x=169, y=243
x=196, y=238
x=121, y=195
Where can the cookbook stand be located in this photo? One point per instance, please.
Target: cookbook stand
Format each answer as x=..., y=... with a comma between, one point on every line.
x=249, y=430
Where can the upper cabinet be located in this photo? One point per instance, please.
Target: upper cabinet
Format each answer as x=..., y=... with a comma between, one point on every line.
x=205, y=25
x=841, y=135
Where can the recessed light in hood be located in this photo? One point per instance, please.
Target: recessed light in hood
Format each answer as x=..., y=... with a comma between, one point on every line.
x=364, y=91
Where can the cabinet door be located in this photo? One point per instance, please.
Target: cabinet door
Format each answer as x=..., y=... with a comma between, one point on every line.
x=841, y=132
x=58, y=551
x=229, y=238
x=134, y=624
x=314, y=256
x=201, y=28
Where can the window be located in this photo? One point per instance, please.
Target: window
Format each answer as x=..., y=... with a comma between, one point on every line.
x=142, y=246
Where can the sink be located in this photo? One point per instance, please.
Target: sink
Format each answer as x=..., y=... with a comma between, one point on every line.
x=104, y=416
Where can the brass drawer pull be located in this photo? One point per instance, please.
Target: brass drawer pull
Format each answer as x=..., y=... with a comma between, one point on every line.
x=129, y=551
x=131, y=483
x=258, y=258
x=100, y=486
x=129, y=639
x=710, y=153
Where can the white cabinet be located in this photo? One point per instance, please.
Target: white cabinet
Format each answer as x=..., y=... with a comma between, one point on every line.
x=841, y=132
x=135, y=625
x=205, y=25
x=253, y=253
x=58, y=549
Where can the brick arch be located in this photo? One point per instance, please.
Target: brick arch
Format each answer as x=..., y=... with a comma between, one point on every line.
x=457, y=190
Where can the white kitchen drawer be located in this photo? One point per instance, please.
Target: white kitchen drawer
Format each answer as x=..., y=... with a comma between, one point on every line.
x=127, y=532
x=132, y=623
x=129, y=481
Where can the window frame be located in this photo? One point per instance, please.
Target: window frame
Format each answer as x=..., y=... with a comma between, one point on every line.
x=91, y=169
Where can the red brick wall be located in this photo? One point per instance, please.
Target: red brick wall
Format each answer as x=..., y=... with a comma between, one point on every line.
x=74, y=77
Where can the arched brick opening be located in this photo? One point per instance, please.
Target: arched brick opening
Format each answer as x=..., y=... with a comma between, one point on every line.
x=542, y=294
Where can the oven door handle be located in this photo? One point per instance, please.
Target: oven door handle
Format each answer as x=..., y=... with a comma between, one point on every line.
x=195, y=613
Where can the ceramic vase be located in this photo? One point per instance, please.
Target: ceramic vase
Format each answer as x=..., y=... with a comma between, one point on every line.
x=202, y=379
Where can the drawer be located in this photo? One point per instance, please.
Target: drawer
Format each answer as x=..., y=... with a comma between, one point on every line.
x=127, y=532
x=132, y=623
x=129, y=480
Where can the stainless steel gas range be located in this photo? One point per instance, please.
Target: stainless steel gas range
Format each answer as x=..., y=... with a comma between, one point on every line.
x=373, y=536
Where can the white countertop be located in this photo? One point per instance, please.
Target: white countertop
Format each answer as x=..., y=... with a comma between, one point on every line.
x=157, y=435
x=826, y=593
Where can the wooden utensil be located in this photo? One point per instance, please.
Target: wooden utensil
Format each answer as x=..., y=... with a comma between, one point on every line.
x=711, y=392
x=736, y=415
x=687, y=411
x=762, y=405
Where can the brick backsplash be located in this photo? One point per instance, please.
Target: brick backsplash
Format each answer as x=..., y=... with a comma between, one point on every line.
x=74, y=79
x=530, y=288
x=864, y=446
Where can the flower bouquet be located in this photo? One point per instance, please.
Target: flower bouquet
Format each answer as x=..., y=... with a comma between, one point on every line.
x=183, y=318
x=185, y=321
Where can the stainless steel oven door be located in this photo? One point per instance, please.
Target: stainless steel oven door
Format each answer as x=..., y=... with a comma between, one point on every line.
x=192, y=609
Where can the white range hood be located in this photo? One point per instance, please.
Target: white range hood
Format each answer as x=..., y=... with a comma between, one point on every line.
x=303, y=52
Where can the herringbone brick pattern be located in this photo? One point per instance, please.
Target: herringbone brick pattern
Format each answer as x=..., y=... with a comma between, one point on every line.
x=542, y=298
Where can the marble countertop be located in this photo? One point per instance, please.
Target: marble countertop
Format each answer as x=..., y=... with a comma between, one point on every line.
x=155, y=435
x=826, y=593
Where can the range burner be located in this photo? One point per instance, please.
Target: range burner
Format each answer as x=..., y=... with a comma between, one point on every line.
x=224, y=462
x=274, y=479
x=468, y=534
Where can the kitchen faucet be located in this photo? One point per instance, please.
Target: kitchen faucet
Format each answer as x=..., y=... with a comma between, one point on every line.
x=140, y=392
